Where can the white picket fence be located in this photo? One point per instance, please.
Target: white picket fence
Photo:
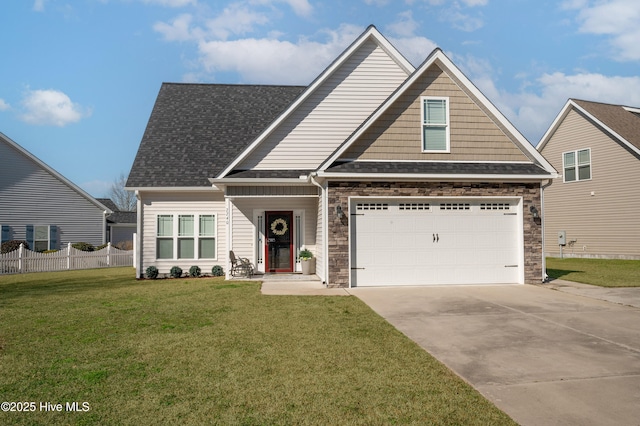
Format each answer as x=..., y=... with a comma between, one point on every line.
x=24, y=260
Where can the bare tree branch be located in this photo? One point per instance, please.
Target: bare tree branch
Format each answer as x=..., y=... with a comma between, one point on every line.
x=125, y=200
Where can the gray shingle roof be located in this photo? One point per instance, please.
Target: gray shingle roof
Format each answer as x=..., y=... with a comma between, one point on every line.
x=437, y=168
x=196, y=130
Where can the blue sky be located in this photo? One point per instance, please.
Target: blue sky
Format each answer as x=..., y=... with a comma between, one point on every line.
x=79, y=77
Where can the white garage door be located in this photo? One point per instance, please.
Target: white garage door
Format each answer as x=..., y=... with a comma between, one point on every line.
x=435, y=241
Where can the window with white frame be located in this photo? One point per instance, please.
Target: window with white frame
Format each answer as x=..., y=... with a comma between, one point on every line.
x=577, y=165
x=435, y=124
x=41, y=238
x=186, y=236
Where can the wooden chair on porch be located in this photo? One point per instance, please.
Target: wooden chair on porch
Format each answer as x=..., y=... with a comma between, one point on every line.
x=240, y=266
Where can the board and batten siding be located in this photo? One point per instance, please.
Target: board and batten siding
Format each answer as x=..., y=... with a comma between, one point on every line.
x=196, y=203
x=397, y=134
x=323, y=121
x=30, y=195
x=244, y=232
x=601, y=214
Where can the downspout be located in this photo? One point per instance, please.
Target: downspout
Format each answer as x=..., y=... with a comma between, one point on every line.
x=325, y=227
x=542, y=215
x=104, y=226
x=138, y=246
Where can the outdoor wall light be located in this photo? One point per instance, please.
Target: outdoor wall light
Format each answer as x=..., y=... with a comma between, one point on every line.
x=534, y=212
x=339, y=212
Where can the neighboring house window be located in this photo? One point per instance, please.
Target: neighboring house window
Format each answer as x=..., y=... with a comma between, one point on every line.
x=195, y=236
x=42, y=237
x=577, y=165
x=4, y=235
x=435, y=124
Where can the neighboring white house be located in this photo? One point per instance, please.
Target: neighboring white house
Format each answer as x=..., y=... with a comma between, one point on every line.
x=389, y=174
x=42, y=207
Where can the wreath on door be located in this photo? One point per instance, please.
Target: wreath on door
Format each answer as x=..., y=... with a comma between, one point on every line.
x=279, y=227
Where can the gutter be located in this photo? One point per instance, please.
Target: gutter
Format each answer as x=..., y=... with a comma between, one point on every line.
x=543, y=215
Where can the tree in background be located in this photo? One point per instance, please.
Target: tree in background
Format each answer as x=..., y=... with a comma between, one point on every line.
x=125, y=200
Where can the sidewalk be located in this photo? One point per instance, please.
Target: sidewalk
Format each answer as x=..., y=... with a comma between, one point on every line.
x=628, y=296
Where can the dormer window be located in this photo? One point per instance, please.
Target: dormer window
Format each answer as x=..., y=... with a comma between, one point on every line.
x=435, y=124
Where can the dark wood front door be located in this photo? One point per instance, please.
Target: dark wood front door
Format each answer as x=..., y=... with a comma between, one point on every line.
x=279, y=247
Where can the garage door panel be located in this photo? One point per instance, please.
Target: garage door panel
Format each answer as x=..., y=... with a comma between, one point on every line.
x=468, y=242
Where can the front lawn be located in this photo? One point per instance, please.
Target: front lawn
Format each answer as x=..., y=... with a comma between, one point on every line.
x=601, y=272
x=208, y=351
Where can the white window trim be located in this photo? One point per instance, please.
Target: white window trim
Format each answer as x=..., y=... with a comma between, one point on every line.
x=576, y=166
x=48, y=239
x=423, y=124
x=196, y=235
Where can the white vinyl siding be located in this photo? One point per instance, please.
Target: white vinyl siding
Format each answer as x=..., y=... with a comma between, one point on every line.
x=199, y=204
x=435, y=124
x=245, y=220
x=321, y=123
x=577, y=165
x=38, y=197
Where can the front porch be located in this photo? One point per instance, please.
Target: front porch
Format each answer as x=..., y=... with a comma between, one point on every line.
x=271, y=231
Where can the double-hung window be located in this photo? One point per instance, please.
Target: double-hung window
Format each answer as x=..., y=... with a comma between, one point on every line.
x=577, y=165
x=164, y=242
x=435, y=124
x=186, y=236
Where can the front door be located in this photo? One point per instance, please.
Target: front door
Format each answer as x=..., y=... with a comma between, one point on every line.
x=279, y=247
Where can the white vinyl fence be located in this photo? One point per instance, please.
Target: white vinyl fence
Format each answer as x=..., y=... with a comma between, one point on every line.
x=24, y=260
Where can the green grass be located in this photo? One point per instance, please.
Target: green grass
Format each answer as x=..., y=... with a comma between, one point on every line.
x=208, y=351
x=600, y=272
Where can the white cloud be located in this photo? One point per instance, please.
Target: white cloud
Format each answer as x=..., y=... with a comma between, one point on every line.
x=462, y=21
x=405, y=25
x=51, y=107
x=3, y=105
x=178, y=30
x=271, y=60
x=300, y=7
x=532, y=108
x=533, y=112
x=38, y=5
x=235, y=20
x=472, y=3
x=171, y=3
x=619, y=19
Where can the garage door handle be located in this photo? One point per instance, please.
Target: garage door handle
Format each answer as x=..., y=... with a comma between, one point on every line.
x=436, y=238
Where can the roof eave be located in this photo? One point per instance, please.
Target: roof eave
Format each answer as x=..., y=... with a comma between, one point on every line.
x=437, y=177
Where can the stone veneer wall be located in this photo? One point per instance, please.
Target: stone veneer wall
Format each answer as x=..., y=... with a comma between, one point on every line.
x=339, y=193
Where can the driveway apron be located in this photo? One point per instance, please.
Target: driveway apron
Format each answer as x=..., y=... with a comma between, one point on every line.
x=544, y=357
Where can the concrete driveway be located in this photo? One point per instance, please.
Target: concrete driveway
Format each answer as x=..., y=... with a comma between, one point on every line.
x=543, y=356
